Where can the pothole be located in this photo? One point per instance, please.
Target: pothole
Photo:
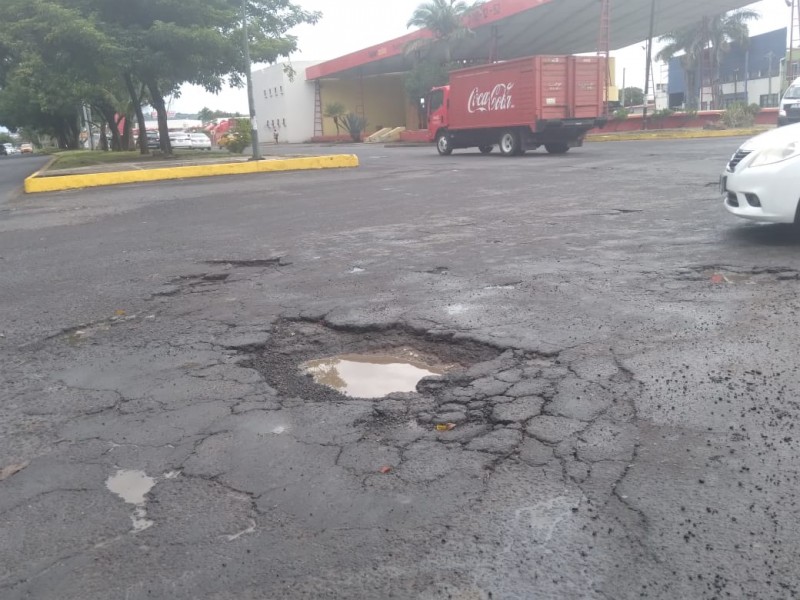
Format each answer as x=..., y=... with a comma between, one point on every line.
x=132, y=487
x=373, y=375
x=314, y=362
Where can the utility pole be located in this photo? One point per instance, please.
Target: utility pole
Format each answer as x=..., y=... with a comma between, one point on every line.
x=250, y=98
x=623, y=87
x=649, y=62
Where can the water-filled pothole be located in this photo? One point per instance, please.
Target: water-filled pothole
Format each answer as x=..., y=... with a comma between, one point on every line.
x=367, y=357
x=373, y=375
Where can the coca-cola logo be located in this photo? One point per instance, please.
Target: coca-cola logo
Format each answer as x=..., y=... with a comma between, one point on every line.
x=498, y=98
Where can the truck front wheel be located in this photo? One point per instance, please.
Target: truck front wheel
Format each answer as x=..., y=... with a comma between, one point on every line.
x=556, y=148
x=443, y=144
x=510, y=144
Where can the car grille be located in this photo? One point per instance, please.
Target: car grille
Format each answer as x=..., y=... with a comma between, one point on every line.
x=737, y=158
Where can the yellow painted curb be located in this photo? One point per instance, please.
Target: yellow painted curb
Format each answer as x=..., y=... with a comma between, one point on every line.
x=672, y=135
x=56, y=183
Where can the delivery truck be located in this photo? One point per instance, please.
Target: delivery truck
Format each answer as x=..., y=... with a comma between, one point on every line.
x=519, y=105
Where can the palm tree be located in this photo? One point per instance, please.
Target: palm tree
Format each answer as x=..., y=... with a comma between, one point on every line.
x=722, y=32
x=335, y=111
x=710, y=37
x=445, y=19
x=688, y=40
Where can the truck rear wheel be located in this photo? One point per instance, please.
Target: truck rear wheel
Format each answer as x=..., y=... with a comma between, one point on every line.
x=510, y=144
x=443, y=144
x=485, y=149
x=556, y=148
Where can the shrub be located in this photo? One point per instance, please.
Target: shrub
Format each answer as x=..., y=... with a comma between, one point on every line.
x=621, y=114
x=740, y=114
x=238, y=138
x=354, y=125
x=663, y=113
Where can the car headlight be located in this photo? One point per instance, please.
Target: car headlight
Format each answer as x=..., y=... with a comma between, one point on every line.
x=769, y=156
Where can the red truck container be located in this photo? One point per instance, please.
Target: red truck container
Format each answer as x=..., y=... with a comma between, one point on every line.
x=519, y=105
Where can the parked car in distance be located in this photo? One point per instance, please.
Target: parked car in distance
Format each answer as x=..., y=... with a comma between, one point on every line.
x=12, y=149
x=762, y=179
x=180, y=141
x=3, y=150
x=200, y=141
x=153, y=140
x=789, y=108
x=26, y=148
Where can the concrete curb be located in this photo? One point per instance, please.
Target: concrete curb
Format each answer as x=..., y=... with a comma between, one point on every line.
x=672, y=135
x=56, y=183
x=630, y=136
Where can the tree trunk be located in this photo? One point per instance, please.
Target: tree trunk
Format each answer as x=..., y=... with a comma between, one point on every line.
x=161, y=110
x=68, y=133
x=127, y=132
x=103, y=137
x=137, y=106
x=691, y=89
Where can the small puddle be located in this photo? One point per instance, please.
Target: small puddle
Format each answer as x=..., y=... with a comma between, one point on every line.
x=372, y=375
x=132, y=486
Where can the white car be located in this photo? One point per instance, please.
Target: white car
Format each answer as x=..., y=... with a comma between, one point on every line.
x=180, y=141
x=200, y=141
x=762, y=179
x=11, y=149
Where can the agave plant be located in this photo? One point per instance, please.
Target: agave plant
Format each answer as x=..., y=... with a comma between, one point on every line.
x=354, y=125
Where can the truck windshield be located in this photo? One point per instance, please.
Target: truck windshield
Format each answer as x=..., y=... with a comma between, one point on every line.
x=793, y=93
x=435, y=100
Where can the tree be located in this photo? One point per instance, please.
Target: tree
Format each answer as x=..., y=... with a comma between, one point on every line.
x=632, y=96
x=710, y=37
x=419, y=81
x=335, y=111
x=206, y=115
x=445, y=19
x=54, y=58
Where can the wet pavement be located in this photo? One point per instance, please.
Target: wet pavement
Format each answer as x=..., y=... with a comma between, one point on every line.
x=613, y=413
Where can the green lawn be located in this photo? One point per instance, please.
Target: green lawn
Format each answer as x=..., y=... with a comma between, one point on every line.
x=73, y=159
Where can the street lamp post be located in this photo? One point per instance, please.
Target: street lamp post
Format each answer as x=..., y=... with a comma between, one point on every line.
x=250, y=98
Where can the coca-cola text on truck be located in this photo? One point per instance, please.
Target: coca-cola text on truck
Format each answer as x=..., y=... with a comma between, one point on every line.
x=519, y=105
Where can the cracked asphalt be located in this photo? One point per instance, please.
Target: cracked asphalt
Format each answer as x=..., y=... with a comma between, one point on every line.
x=625, y=403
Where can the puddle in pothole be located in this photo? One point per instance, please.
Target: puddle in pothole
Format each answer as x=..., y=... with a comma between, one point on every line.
x=372, y=375
x=132, y=486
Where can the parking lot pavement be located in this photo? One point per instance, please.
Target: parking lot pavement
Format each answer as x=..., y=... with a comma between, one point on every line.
x=623, y=393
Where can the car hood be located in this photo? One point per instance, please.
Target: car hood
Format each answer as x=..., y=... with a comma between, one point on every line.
x=774, y=137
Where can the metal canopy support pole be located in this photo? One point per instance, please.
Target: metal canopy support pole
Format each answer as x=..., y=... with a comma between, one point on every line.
x=604, y=54
x=250, y=99
x=649, y=62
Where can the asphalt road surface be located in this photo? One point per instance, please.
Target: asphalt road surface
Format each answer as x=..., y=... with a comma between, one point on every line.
x=625, y=402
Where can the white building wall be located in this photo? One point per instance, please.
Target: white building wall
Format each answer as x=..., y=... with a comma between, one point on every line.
x=284, y=105
x=756, y=88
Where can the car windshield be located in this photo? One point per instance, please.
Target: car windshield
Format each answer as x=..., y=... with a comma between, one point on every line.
x=793, y=93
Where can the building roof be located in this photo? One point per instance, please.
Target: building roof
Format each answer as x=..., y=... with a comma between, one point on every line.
x=529, y=27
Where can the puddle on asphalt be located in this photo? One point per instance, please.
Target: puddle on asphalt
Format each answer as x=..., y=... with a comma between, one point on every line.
x=372, y=375
x=132, y=486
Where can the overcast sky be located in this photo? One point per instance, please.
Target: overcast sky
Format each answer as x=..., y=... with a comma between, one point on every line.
x=341, y=31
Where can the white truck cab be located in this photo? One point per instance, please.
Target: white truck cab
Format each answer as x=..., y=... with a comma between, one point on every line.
x=789, y=108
